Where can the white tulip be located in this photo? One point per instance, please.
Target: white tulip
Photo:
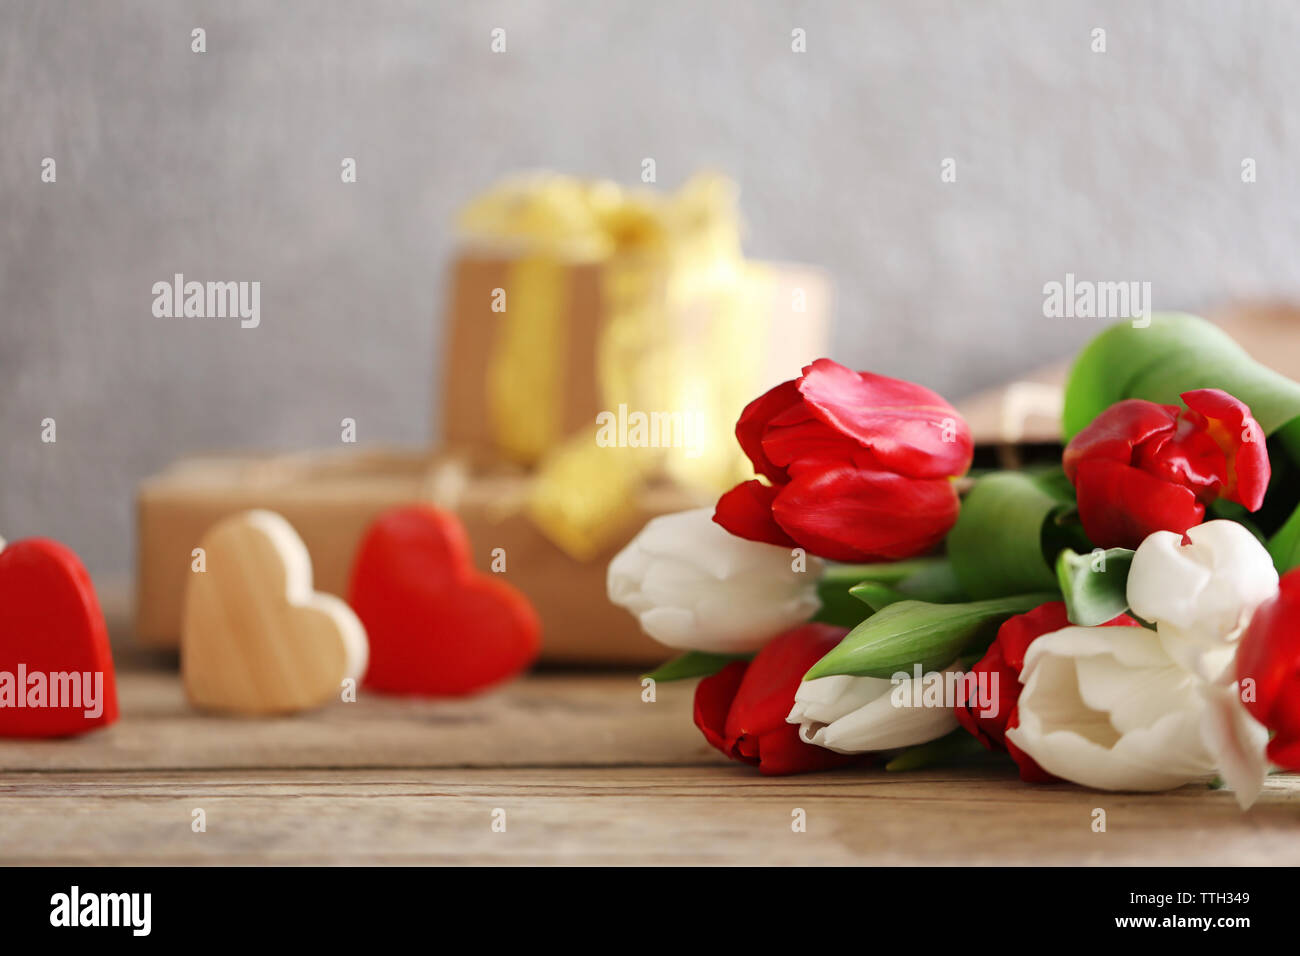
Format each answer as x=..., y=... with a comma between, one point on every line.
x=1200, y=595
x=1107, y=707
x=852, y=715
x=695, y=586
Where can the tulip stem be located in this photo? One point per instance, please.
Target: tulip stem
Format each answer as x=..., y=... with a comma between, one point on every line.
x=883, y=572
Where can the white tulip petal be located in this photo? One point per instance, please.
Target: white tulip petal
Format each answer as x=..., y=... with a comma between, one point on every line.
x=713, y=550
x=1200, y=594
x=694, y=586
x=1159, y=562
x=1133, y=762
x=827, y=699
x=668, y=625
x=1238, y=742
x=854, y=715
x=1132, y=697
x=1131, y=647
x=880, y=725
x=623, y=580
x=1199, y=652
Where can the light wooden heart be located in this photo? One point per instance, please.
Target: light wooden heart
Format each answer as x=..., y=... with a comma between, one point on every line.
x=256, y=639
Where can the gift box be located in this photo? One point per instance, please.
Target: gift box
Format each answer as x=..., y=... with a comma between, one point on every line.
x=573, y=304
x=599, y=347
x=330, y=499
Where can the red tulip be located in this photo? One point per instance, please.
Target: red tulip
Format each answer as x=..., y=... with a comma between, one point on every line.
x=741, y=710
x=1269, y=656
x=858, y=466
x=1142, y=467
x=1006, y=659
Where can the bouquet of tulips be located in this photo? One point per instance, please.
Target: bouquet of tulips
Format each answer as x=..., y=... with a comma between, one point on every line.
x=1127, y=620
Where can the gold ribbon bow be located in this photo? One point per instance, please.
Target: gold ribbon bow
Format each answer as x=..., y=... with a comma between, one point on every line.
x=674, y=346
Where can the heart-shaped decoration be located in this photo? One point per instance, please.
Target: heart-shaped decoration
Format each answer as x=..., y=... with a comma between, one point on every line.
x=56, y=669
x=255, y=638
x=437, y=626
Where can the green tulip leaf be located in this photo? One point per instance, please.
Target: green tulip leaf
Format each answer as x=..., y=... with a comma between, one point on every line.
x=997, y=545
x=1284, y=547
x=1094, y=584
x=693, y=664
x=906, y=633
x=1175, y=354
x=951, y=747
x=876, y=595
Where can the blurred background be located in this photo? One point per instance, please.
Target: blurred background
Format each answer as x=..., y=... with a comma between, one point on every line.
x=1122, y=165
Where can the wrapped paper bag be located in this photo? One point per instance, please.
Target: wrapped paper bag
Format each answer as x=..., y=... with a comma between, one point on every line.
x=330, y=499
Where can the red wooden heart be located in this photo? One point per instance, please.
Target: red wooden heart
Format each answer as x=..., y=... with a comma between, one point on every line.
x=51, y=628
x=436, y=625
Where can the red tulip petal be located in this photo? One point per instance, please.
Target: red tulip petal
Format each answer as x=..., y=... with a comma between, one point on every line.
x=1241, y=440
x=1018, y=632
x=1120, y=505
x=713, y=697
x=989, y=729
x=754, y=421
x=1269, y=656
x=1115, y=433
x=812, y=443
x=783, y=751
x=849, y=514
x=909, y=429
x=1193, y=459
x=746, y=511
x=766, y=694
x=741, y=710
x=1285, y=752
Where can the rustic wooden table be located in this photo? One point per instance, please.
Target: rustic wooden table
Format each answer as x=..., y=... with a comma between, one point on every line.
x=585, y=773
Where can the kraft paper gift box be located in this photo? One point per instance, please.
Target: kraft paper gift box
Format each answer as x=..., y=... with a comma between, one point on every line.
x=331, y=498
x=573, y=304
x=568, y=301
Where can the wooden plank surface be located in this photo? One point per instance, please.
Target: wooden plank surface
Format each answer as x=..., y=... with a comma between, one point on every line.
x=586, y=773
x=623, y=815
x=545, y=720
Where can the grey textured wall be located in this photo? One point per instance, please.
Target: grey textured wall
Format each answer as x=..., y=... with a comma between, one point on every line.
x=1120, y=165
